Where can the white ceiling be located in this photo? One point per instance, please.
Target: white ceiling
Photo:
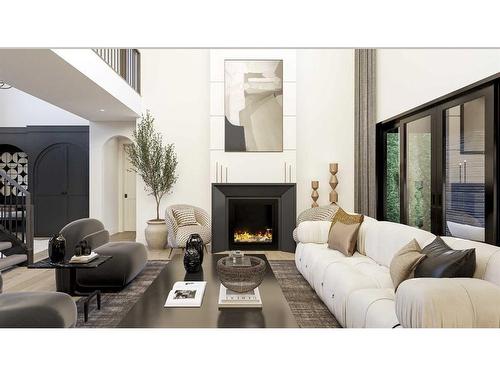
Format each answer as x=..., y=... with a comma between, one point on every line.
x=44, y=74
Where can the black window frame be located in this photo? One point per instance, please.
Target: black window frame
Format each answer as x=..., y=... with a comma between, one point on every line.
x=490, y=88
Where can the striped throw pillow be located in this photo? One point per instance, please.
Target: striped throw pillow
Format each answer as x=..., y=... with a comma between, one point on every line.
x=184, y=216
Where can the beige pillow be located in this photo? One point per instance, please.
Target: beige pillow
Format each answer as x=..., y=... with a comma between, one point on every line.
x=184, y=216
x=344, y=232
x=404, y=262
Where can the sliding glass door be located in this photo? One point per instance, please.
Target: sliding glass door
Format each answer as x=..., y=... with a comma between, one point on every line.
x=418, y=172
x=438, y=168
x=467, y=125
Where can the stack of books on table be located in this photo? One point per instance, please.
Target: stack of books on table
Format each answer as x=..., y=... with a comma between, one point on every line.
x=231, y=299
x=186, y=294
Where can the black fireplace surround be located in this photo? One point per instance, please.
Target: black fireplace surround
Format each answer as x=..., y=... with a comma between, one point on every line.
x=253, y=217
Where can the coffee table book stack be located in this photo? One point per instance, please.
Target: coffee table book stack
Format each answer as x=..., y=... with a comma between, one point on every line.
x=231, y=299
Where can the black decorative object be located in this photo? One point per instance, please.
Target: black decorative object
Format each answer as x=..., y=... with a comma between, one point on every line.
x=78, y=250
x=57, y=248
x=195, y=242
x=82, y=248
x=192, y=260
x=86, y=249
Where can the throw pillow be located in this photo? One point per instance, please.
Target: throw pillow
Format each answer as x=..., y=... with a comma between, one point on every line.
x=442, y=261
x=184, y=216
x=344, y=232
x=404, y=262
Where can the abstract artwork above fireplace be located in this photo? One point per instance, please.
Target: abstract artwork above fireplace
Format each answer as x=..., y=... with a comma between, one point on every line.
x=253, y=216
x=253, y=105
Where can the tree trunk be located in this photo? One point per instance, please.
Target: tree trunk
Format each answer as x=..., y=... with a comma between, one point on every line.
x=157, y=209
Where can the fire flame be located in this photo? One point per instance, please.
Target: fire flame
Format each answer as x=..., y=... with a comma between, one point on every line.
x=260, y=236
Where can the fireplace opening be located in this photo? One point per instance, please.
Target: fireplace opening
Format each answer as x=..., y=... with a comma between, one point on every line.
x=253, y=224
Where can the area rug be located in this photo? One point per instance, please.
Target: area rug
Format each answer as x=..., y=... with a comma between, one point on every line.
x=309, y=311
x=114, y=306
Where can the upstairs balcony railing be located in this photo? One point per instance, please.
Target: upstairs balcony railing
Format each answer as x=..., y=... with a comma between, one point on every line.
x=125, y=62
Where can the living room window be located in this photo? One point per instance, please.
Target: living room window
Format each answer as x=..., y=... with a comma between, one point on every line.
x=437, y=165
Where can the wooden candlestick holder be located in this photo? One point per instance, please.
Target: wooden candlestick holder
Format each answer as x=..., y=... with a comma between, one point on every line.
x=314, y=194
x=334, y=197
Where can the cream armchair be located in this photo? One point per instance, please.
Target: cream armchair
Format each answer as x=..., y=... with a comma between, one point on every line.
x=177, y=236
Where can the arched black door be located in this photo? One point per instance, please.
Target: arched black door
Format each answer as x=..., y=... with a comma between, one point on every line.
x=61, y=187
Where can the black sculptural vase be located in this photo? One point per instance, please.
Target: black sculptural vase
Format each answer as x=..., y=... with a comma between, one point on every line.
x=192, y=260
x=195, y=242
x=57, y=248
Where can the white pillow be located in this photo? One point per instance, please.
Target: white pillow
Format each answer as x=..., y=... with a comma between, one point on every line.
x=313, y=231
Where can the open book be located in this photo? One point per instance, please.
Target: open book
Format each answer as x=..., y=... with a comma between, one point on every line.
x=186, y=294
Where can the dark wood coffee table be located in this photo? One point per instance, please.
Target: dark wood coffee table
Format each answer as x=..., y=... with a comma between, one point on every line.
x=149, y=312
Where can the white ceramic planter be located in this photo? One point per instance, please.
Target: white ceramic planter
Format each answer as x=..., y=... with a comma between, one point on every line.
x=156, y=234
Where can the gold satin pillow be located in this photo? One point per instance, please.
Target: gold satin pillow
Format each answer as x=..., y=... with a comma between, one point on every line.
x=404, y=262
x=343, y=233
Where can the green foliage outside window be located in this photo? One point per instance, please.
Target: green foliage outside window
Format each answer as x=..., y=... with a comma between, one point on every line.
x=419, y=180
x=392, y=192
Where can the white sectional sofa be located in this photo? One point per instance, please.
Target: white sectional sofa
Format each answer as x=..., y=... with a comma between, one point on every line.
x=358, y=290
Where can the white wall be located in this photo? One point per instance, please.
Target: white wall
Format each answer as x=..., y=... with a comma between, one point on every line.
x=105, y=141
x=175, y=88
x=407, y=78
x=19, y=109
x=325, y=124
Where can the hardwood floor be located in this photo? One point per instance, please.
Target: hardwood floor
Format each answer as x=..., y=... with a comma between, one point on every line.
x=21, y=279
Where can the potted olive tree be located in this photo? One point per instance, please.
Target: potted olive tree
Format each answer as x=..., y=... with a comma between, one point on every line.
x=156, y=164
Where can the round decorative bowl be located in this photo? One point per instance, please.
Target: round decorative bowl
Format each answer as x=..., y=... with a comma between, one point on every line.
x=239, y=278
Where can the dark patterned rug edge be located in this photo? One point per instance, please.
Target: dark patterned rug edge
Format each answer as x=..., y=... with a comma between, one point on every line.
x=307, y=308
x=115, y=306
